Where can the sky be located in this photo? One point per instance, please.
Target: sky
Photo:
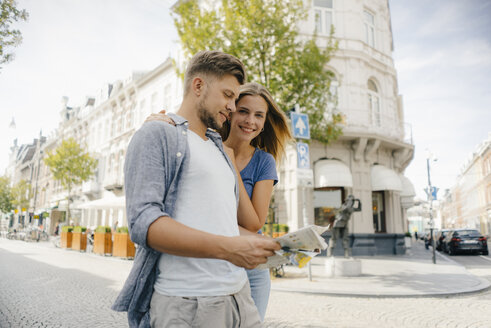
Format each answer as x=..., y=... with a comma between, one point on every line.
x=442, y=54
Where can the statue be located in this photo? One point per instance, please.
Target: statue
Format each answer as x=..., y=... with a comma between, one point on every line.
x=339, y=226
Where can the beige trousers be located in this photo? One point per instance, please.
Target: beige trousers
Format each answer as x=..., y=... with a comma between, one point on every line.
x=237, y=310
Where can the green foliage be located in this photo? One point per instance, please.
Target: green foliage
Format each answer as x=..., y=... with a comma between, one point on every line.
x=103, y=229
x=407, y=234
x=21, y=194
x=79, y=229
x=276, y=228
x=71, y=165
x=264, y=35
x=9, y=37
x=66, y=229
x=5, y=195
x=122, y=229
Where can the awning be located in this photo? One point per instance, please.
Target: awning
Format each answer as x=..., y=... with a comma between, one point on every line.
x=407, y=193
x=104, y=203
x=407, y=187
x=384, y=178
x=332, y=173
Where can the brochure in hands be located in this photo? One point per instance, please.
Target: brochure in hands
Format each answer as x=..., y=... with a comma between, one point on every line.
x=298, y=247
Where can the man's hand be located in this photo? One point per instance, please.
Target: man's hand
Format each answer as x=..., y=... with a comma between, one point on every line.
x=249, y=251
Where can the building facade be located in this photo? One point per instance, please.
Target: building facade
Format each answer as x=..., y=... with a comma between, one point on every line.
x=468, y=203
x=369, y=160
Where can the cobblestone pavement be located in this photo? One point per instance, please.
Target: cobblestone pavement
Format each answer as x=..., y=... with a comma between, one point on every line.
x=36, y=294
x=309, y=310
x=45, y=287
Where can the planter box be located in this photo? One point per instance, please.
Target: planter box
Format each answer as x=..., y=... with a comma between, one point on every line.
x=407, y=242
x=79, y=241
x=66, y=239
x=102, y=243
x=123, y=246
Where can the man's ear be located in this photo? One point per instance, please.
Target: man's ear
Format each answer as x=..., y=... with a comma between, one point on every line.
x=198, y=85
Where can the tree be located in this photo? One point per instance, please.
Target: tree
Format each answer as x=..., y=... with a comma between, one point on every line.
x=9, y=37
x=264, y=35
x=21, y=194
x=5, y=195
x=71, y=165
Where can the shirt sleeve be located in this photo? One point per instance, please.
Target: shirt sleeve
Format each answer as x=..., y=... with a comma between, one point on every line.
x=145, y=178
x=267, y=169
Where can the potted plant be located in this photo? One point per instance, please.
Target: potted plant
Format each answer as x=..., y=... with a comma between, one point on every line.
x=123, y=246
x=282, y=229
x=79, y=238
x=102, y=240
x=66, y=236
x=407, y=239
x=276, y=230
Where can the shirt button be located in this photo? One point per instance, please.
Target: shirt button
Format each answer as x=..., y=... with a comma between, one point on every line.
x=179, y=154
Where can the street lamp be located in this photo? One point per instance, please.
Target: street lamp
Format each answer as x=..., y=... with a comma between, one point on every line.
x=429, y=156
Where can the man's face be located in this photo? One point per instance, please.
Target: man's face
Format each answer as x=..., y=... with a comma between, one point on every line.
x=218, y=101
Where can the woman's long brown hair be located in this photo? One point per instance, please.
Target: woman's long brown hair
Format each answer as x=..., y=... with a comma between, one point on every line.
x=276, y=131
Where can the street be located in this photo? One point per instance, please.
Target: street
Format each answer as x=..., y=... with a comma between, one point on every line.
x=42, y=286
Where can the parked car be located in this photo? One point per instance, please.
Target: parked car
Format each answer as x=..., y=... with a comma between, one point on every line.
x=440, y=236
x=465, y=241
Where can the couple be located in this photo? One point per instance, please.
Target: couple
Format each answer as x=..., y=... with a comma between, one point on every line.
x=182, y=198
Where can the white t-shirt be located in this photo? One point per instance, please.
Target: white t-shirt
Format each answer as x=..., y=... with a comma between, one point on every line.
x=206, y=201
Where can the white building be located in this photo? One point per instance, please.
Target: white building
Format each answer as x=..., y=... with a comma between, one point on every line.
x=369, y=160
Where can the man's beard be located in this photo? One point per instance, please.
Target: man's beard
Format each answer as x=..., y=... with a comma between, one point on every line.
x=206, y=118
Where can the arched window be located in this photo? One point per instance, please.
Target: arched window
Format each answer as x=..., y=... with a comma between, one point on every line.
x=374, y=103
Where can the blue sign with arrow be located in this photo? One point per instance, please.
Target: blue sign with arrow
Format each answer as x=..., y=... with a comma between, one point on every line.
x=300, y=125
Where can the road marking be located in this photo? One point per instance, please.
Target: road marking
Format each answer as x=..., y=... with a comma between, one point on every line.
x=485, y=257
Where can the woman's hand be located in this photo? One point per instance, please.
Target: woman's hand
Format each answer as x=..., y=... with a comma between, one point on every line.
x=160, y=116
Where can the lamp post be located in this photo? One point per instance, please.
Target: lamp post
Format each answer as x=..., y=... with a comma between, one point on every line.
x=430, y=196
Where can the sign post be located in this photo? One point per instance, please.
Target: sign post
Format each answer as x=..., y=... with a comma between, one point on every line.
x=305, y=175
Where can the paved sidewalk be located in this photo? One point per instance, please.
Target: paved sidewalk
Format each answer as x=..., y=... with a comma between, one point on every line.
x=413, y=274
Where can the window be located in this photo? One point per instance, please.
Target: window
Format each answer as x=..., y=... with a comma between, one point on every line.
x=167, y=97
x=326, y=202
x=378, y=208
x=333, y=96
x=369, y=23
x=323, y=16
x=154, y=105
x=373, y=103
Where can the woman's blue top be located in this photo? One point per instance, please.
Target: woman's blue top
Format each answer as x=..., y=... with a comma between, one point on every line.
x=262, y=166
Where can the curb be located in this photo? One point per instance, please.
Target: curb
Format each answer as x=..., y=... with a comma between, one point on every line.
x=483, y=285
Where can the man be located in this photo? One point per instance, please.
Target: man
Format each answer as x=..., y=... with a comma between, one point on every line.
x=181, y=201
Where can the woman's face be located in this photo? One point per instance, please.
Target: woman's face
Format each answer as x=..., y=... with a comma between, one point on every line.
x=248, y=120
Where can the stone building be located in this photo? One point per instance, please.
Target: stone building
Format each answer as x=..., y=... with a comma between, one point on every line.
x=468, y=203
x=369, y=160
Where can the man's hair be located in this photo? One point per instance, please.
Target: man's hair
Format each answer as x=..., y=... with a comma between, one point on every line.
x=213, y=64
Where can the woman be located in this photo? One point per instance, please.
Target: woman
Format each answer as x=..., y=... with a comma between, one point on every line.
x=255, y=136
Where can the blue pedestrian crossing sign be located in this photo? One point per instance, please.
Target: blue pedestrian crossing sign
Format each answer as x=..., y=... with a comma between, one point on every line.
x=303, y=157
x=300, y=125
